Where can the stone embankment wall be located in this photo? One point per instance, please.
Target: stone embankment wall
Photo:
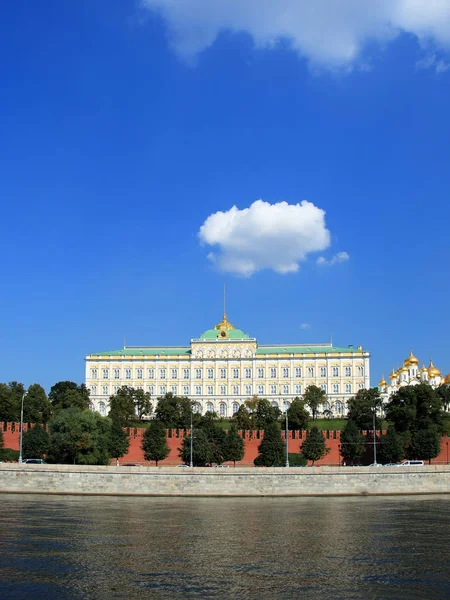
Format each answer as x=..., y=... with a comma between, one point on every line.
x=252, y=440
x=152, y=481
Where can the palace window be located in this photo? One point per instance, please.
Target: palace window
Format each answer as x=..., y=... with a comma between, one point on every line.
x=248, y=389
x=223, y=390
x=323, y=371
x=348, y=371
x=162, y=390
x=323, y=387
x=186, y=390
x=298, y=371
x=348, y=388
x=235, y=373
x=298, y=388
x=223, y=373
x=105, y=390
x=174, y=373
x=285, y=389
x=210, y=373
x=248, y=373
x=260, y=372
x=102, y=408
x=222, y=409
x=335, y=388
x=173, y=389
x=198, y=373
x=209, y=407
x=326, y=406
x=273, y=371
x=139, y=387
x=360, y=370
x=198, y=390
x=338, y=407
x=151, y=373
x=310, y=371
x=210, y=390
x=115, y=389
x=162, y=373
x=335, y=371
x=94, y=373
x=127, y=373
x=285, y=371
x=273, y=389
x=150, y=389
x=360, y=385
x=138, y=373
x=94, y=390
x=185, y=373
x=235, y=407
x=235, y=390
x=260, y=389
x=105, y=374
x=116, y=373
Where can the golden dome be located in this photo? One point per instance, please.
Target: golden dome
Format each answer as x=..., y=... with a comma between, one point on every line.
x=394, y=374
x=447, y=379
x=423, y=369
x=382, y=382
x=433, y=371
x=404, y=369
x=411, y=360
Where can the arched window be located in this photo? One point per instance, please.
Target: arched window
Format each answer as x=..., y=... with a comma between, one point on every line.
x=102, y=408
x=235, y=407
x=210, y=407
x=91, y=406
x=275, y=404
x=287, y=404
x=223, y=409
x=338, y=407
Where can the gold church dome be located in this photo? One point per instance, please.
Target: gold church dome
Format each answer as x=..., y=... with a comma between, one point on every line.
x=423, y=369
x=404, y=369
x=411, y=360
x=433, y=371
x=394, y=374
x=447, y=379
x=382, y=382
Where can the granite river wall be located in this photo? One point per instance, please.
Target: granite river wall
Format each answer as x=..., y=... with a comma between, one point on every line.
x=227, y=482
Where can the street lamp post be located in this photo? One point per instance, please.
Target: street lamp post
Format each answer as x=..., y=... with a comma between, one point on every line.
x=287, y=440
x=191, y=464
x=21, y=427
x=374, y=439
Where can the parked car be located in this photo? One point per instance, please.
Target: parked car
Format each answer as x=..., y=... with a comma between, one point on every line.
x=411, y=463
x=34, y=461
x=376, y=465
x=391, y=465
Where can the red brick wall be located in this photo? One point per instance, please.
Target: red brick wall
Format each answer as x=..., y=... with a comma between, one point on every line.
x=252, y=441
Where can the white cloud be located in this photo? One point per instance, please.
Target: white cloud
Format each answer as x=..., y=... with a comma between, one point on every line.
x=328, y=33
x=432, y=61
x=340, y=257
x=265, y=236
x=305, y=326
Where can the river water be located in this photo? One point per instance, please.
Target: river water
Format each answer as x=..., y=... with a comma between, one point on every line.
x=70, y=547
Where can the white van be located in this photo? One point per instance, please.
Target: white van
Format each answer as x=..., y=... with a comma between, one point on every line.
x=412, y=463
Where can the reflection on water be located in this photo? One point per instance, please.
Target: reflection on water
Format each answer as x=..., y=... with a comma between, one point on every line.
x=102, y=547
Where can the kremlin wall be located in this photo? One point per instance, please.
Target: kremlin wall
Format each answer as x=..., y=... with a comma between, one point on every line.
x=252, y=440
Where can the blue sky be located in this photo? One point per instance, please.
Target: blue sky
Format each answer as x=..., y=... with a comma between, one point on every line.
x=126, y=125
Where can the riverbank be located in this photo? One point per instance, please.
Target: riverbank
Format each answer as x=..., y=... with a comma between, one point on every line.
x=213, y=482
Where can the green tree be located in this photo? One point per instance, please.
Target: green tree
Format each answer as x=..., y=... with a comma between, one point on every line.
x=426, y=444
x=314, y=397
x=266, y=413
x=154, y=442
x=119, y=440
x=79, y=437
x=234, y=446
x=9, y=406
x=352, y=442
x=68, y=394
x=175, y=411
x=443, y=392
x=313, y=448
x=298, y=416
x=122, y=407
x=271, y=451
x=392, y=446
x=203, y=451
x=36, y=407
x=416, y=407
x=363, y=406
x=243, y=419
x=142, y=404
x=36, y=442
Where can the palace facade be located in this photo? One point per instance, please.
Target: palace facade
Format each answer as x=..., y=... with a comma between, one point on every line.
x=410, y=374
x=224, y=367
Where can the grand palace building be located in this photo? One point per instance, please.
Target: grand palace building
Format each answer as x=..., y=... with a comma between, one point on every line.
x=224, y=367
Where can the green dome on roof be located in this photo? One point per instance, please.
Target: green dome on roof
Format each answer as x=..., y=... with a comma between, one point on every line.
x=224, y=330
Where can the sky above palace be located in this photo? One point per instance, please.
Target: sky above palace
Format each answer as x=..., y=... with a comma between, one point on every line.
x=153, y=150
